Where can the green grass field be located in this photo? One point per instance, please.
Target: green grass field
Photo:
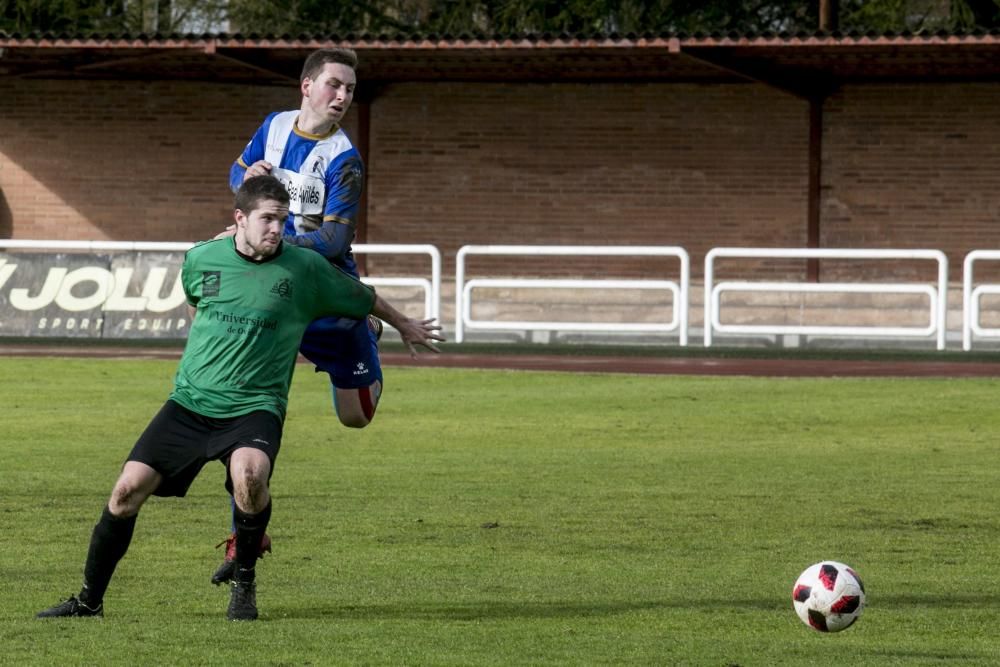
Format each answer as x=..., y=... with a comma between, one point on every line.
x=512, y=518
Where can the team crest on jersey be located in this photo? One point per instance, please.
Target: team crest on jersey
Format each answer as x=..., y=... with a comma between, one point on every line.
x=283, y=288
x=210, y=283
x=353, y=173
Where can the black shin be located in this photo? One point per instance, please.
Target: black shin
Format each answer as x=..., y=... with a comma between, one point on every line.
x=250, y=530
x=108, y=543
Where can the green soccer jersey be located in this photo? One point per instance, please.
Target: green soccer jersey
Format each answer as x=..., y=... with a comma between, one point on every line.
x=251, y=315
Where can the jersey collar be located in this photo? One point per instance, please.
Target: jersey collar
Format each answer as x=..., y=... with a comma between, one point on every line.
x=314, y=137
x=277, y=253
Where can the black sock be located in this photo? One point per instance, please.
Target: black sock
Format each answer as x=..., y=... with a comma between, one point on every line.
x=108, y=543
x=250, y=530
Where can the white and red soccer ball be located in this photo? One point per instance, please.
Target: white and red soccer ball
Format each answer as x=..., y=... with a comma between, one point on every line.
x=829, y=596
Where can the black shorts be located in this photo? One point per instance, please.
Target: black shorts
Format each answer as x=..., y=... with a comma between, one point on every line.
x=179, y=442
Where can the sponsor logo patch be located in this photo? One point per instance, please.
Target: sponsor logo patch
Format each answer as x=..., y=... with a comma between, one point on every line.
x=210, y=283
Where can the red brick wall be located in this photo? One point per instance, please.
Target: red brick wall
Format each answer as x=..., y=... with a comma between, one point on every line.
x=912, y=166
x=688, y=165
x=123, y=160
x=452, y=164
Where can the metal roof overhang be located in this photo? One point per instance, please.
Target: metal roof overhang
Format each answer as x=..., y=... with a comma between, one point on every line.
x=807, y=66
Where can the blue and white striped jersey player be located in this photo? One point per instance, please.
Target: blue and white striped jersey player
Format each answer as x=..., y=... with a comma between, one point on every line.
x=324, y=175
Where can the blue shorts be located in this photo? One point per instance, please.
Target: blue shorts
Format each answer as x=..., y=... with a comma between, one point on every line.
x=344, y=348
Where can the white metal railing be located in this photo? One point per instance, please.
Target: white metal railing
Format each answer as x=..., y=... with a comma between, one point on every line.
x=936, y=294
x=426, y=286
x=463, y=289
x=937, y=297
x=971, y=297
x=432, y=289
x=137, y=246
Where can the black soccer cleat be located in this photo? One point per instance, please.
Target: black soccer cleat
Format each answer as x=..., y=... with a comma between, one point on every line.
x=242, y=602
x=225, y=572
x=71, y=607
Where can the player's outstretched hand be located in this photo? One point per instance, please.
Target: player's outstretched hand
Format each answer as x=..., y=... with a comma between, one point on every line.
x=420, y=332
x=413, y=332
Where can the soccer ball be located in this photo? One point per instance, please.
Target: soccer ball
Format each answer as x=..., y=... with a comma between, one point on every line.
x=829, y=596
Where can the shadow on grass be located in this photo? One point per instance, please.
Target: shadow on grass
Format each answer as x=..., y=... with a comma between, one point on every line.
x=472, y=611
x=974, y=599
x=486, y=610
x=939, y=657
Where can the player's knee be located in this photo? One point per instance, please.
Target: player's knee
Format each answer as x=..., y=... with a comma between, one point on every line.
x=125, y=500
x=356, y=407
x=136, y=482
x=249, y=481
x=250, y=489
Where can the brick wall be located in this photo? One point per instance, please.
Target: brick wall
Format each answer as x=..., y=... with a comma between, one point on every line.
x=123, y=160
x=688, y=165
x=450, y=164
x=912, y=166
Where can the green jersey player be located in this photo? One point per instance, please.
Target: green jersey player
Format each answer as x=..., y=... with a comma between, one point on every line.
x=253, y=298
x=250, y=317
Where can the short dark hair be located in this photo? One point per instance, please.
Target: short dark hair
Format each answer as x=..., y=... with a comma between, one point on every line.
x=317, y=59
x=257, y=189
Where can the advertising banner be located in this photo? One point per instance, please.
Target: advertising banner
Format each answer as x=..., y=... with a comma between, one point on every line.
x=133, y=295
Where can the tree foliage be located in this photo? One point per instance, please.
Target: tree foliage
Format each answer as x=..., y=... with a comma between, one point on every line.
x=534, y=17
x=919, y=15
x=84, y=17
x=528, y=17
x=487, y=17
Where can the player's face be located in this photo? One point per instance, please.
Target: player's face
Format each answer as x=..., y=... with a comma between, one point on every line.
x=328, y=97
x=258, y=233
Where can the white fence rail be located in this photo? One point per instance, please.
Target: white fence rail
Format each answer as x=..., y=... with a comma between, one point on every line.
x=57, y=305
x=971, y=297
x=432, y=288
x=679, y=291
x=937, y=296
x=123, y=246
